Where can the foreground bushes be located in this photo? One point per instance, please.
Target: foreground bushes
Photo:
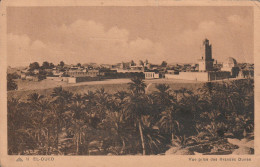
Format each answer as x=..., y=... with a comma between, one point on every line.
x=130, y=122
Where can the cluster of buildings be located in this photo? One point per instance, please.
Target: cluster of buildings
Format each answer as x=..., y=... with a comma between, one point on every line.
x=209, y=70
x=206, y=69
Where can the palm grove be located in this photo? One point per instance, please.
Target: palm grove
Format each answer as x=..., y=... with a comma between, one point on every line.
x=133, y=121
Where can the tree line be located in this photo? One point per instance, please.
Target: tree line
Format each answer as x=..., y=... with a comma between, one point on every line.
x=129, y=122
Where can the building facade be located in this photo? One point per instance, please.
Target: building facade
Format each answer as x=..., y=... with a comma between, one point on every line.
x=151, y=75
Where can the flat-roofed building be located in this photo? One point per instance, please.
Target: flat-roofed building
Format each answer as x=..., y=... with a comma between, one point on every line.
x=151, y=75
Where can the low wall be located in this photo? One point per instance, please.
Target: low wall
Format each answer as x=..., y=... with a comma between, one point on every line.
x=83, y=79
x=200, y=76
x=65, y=79
x=194, y=76
x=122, y=75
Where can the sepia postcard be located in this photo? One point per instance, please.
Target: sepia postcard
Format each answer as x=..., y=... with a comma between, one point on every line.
x=129, y=83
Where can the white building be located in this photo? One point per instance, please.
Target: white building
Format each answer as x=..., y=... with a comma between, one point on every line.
x=151, y=75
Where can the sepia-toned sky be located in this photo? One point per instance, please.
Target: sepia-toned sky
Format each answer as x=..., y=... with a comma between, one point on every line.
x=116, y=34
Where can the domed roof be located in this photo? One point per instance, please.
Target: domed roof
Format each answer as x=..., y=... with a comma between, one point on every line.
x=231, y=60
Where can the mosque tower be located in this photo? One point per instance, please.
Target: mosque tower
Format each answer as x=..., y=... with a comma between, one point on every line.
x=206, y=62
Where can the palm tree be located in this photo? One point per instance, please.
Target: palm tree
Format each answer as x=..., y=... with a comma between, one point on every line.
x=225, y=97
x=163, y=88
x=181, y=93
x=78, y=99
x=89, y=98
x=60, y=103
x=49, y=122
x=163, y=98
x=137, y=85
x=137, y=105
x=61, y=96
x=20, y=137
x=78, y=125
x=39, y=124
x=121, y=98
x=12, y=108
x=35, y=99
x=120, y=134
x=185, y=92
x=104, y=103
x=102, y=98
x=151, y=134
x=169, y=122
x=121, y=95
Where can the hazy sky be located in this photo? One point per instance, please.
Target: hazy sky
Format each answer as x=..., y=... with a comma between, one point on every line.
x=115, y=34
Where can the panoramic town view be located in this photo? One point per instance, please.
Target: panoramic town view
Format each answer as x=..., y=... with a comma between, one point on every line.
x=103, y=86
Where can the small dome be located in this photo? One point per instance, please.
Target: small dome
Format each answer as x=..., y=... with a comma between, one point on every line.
x=230, y=62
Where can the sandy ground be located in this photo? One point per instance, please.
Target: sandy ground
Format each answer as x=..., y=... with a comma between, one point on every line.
x=45, y=84
x=45, y=87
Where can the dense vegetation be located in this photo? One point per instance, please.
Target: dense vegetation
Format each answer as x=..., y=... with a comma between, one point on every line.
x=132, y=122
x=11, y=84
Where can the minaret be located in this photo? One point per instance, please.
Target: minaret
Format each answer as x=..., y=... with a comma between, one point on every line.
x=206, y=64
x=208, y=53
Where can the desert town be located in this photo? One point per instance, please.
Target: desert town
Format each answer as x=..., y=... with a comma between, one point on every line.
x=211, y=103
x=206, y=69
